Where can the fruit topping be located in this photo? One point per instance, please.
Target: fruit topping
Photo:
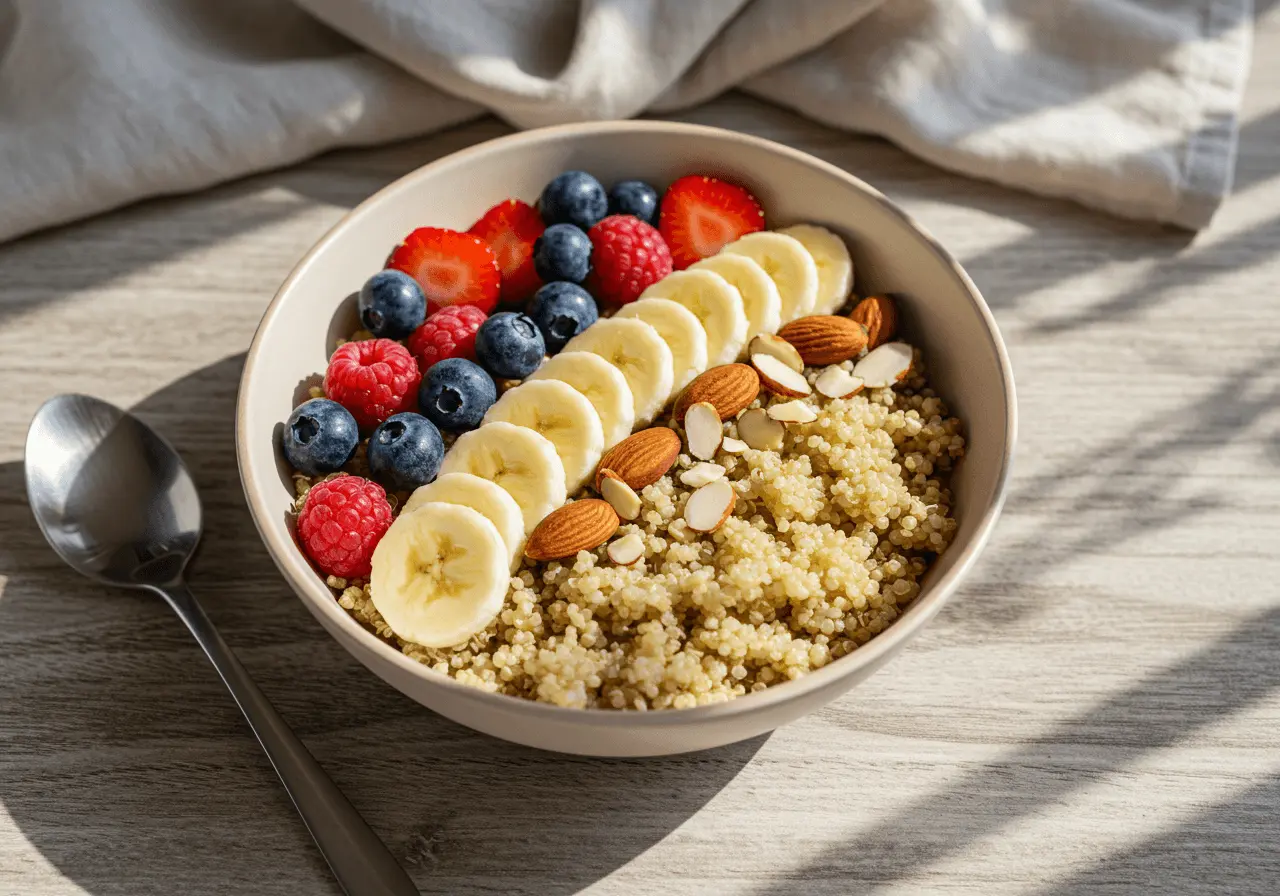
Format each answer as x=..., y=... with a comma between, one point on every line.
x=634, y=197
x=319, y=437
x=452, y=268
x=456, y=394
x=372, y=379
x=563, y=252
x=391, y=304
x=405, y=451
x=701, y=215
x=562, y=310
x=573, y=197
x=509, y=345
x=627, y=256
x=449, y=333
x=511, y=228
x=340, y=524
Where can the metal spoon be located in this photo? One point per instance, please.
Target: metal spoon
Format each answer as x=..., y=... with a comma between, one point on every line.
x=115, y=501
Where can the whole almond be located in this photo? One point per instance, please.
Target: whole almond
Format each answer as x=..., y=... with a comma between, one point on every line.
x=879, y=315
x=641, y=458
x=728, y=388
x=577, y=526
x=825, y=338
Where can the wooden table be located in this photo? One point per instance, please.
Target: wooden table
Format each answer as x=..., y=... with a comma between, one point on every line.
x=1098, y=710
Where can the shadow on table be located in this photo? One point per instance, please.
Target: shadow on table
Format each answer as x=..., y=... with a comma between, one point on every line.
x=126, y=764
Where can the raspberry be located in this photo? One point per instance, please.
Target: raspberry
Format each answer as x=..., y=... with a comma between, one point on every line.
x=449, y=333
x=373, y=380
x=340, y=524
x=627, y=255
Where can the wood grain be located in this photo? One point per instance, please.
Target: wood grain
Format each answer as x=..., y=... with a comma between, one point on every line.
x=1097, y=712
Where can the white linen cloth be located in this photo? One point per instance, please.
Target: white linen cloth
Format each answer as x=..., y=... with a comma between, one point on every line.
x=1127, y=105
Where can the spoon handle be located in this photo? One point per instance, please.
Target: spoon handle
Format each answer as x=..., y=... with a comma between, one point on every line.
x=359, y=859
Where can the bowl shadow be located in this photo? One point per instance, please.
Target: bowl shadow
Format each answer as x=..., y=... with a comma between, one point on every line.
x=127, y=766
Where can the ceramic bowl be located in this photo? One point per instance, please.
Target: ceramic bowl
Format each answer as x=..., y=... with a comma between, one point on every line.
x=941, y=309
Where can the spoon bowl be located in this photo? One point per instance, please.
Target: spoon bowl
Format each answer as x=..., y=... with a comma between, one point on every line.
x=112, y=497
x=116, y=502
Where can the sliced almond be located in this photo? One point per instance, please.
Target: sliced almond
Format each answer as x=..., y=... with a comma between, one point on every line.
x=836, y=382
x=621, y=497
x=885, y=365
x=733, y=446
x=702, y=430
x=760, y=431
x=641, y=458
x=626, y=550
x=769, y=344
x=708, y=507
x=701, y=474
x=792, y=412
x=577, y=526
x=778, y=378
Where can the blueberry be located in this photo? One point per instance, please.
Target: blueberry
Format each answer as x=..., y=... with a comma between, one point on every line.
x=405, y=452
x=561, y=311
x=392, y=305
x=509, y=345
x=574, y=197
x=455, y=394
x=634, y=197
x=563, y=252
x=319, y=437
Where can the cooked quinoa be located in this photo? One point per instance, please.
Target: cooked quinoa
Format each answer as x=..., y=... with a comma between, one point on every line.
x=825, y=548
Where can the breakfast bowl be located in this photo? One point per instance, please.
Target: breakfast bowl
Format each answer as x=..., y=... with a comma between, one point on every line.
x=941, y=313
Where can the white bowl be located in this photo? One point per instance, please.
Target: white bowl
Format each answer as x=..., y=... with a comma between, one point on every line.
x=942, y=311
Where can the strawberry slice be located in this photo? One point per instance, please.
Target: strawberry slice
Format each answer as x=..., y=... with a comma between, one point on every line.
x=452, y=268
x=701, y=215
x=510, y=228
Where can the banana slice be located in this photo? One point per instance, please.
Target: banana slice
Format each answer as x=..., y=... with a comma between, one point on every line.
x=482, y=496
x=716, y=305
x=520, y=460
x=563, y=415
x=440, y=574
x=760, y=299
x=835, y=267
x=639, y=352
x=601, y=383
x=676, y=324
x=789, y=264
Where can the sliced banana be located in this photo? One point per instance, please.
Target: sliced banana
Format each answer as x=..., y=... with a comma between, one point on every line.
x=835, y=267
x=639, y=352
x=788, y=263
x=489, y=500
x=760, y=299
x=601, y=383
x=518, y=459
x=440, y=574
x=562, y=414
x=716, y=305
x=685, y=336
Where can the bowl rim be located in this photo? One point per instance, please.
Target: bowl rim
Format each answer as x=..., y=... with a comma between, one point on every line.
x=312, y=590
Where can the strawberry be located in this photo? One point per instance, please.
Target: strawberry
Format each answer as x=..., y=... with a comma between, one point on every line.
x=510, y=228
x=701, y=215
x=452, y=268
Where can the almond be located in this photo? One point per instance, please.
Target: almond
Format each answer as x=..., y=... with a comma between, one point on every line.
x=728, y=388
x=621, y=497
x=702, y=430
x=825, y=339
x=778, y=378
x=879, y=315
x=641, y=458
x=708, y=507
x=836, y=382
x=795, y=411
x=701, y=474
x=733, y=446
x=760, y=431
x=886, y=365
x=769, y=344
x=626, y=550
x=577, y=526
